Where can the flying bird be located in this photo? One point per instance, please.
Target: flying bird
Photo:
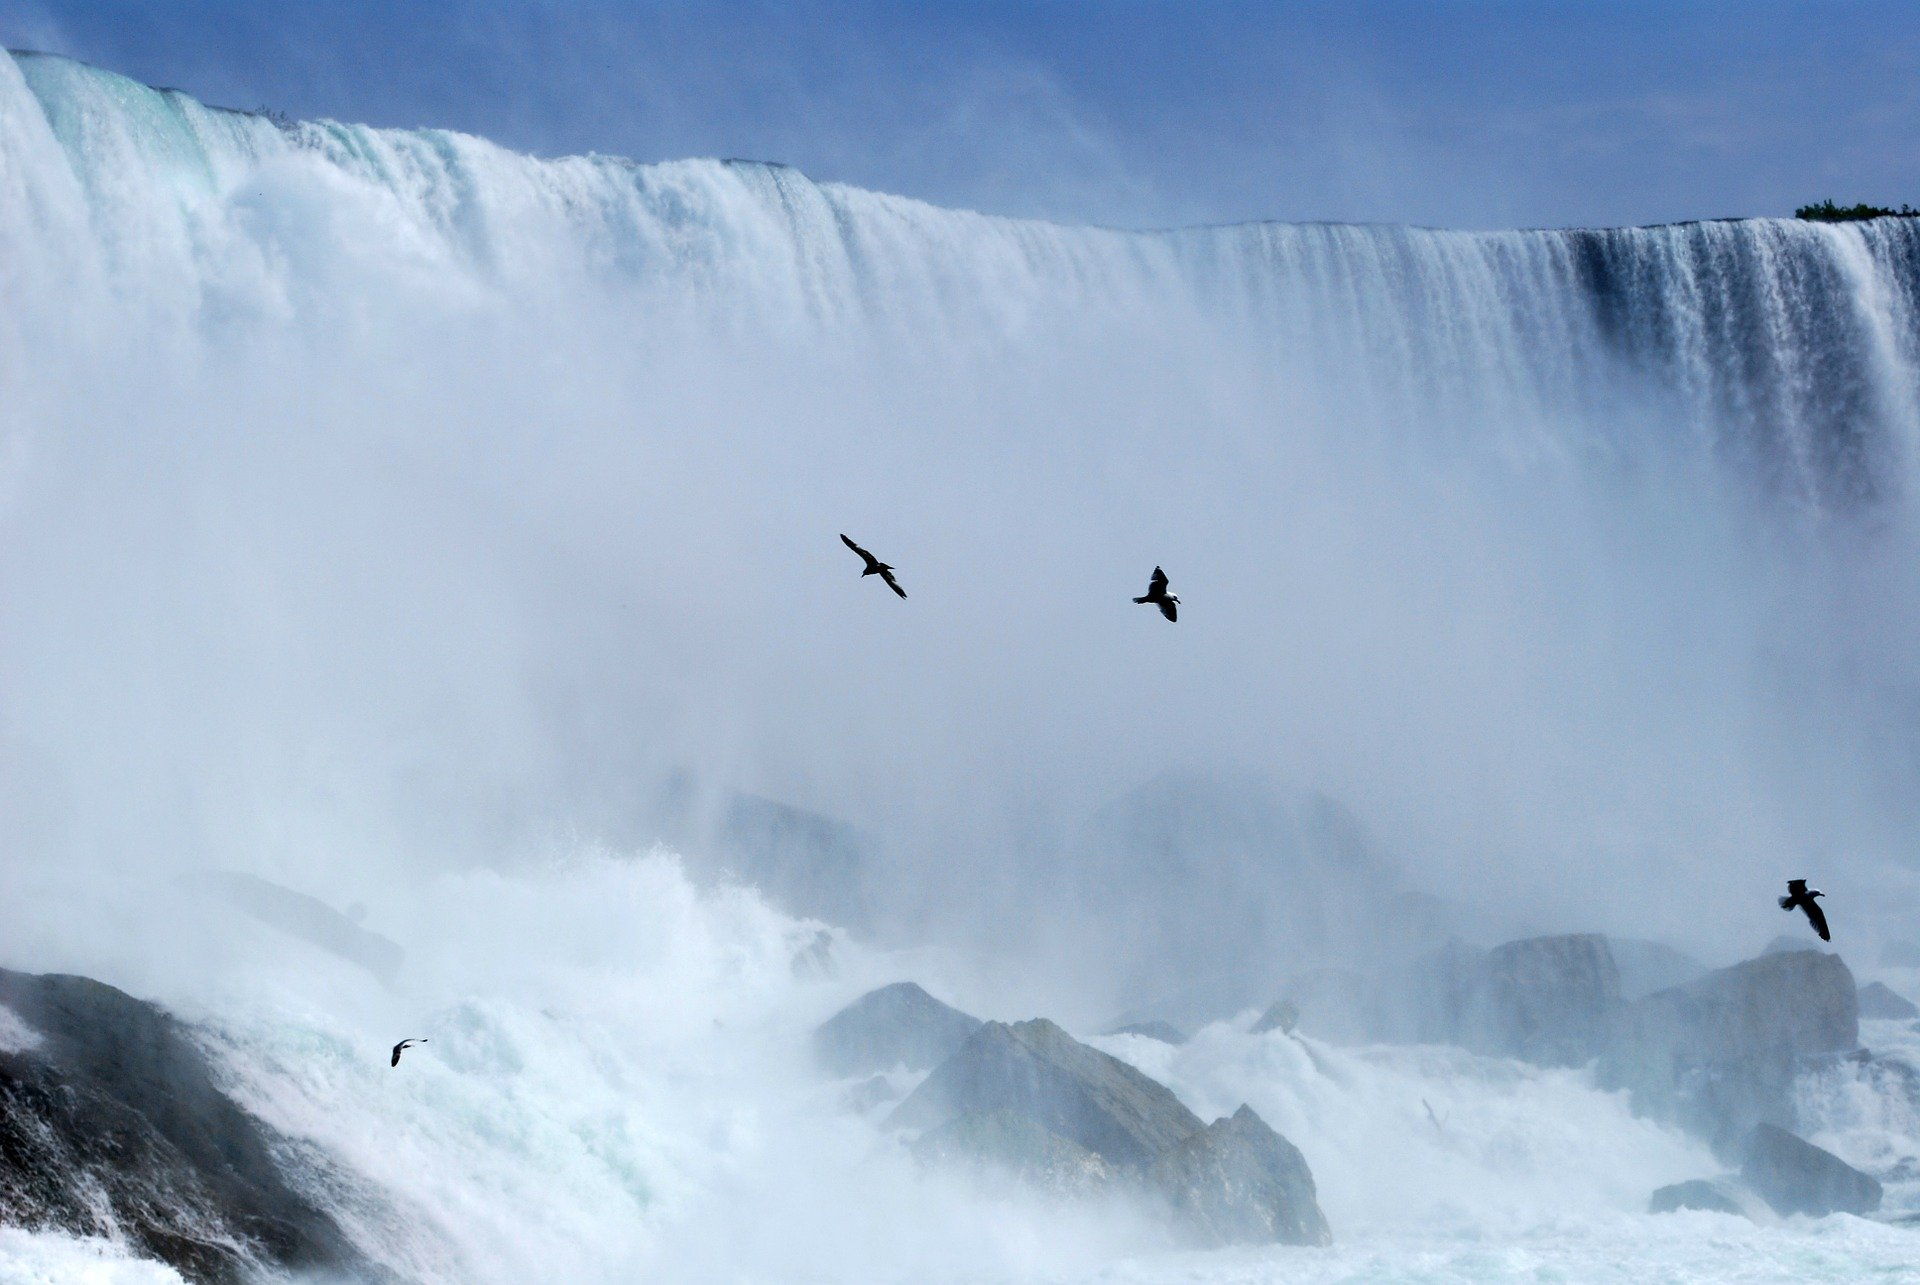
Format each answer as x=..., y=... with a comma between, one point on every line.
x=1801, y=896
x=1158, y=595
x=403, y=1044
x=875, y=567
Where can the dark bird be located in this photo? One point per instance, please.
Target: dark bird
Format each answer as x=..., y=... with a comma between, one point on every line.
x=875, y=567
x=403, y=1044
x=1158, y=595
x=1801, y=896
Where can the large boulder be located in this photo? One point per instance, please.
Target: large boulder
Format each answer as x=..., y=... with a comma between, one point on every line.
x=1713, y=1195
x=1649, y=966
x=111, y=1124
x=1796, y=1177
x=893, y=1027
x=1882, y=1002
x=1720, y=1054
x=1546, y=1000
x=1018, y=1146
x=1037, y=1071
x=1238, y=1182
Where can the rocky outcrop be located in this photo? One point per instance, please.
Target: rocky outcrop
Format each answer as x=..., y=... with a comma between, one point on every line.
x=1882, y=1003
x=1037, y=1071
x=111, y=1124
x=1714, y=1195
x=1165, y=1032
x=1017, y=1146
x=1546, y=1000
x=1238, y=1182
x=1719, y=1055
x=1030, y=1100
x=1796, y=1177
x=310, y=919
x=893, y=1027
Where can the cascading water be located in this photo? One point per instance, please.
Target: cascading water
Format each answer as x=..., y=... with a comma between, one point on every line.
x=385, y=512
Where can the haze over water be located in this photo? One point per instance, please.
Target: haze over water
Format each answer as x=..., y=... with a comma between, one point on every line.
x=415, y=523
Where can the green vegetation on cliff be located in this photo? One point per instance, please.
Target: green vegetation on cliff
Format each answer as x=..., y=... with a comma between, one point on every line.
x=1828, y=212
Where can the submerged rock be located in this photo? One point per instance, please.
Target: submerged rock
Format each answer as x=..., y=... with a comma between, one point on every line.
x=1237, y=1182
x=896, y=1026
x=1881, y=1002
x=111, y=1124
x=1714, y=1195
x=1720, y=1054
x=1796, y=1177
x=1037, y=1071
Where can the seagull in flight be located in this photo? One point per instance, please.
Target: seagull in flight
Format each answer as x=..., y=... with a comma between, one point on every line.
x=1158, y=595
x=403, y=1044
x=1800, y=896
x=875, y=567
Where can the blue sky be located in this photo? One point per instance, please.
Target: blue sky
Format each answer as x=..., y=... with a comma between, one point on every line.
x=1468, y=114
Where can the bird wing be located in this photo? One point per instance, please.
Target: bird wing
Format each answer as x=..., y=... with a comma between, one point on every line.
x=886, y=574
x=1796, y=886
x=870, y=560
x=1818, y=918
x=1157, y=585
x=396, y=1053
x=1168, y=609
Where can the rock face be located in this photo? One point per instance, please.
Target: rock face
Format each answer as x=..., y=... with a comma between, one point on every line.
x=110, y=1123
x=1710, y=1194
x=1719, y=1055
x=1037, y=1071
x=1879, y=1001
x=1796, y=1177
x=1030, y=1100
x=311, y=920
x=1238, y=1182
x=1546, y=1000
x=896, y=1026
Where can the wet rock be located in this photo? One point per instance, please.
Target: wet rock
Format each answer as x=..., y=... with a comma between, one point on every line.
x=1017, y=1146
x=1881, y=1002
x=1546, y=1000
x=1238, y=1182
x=1796, y=1177
x=1165, y=1032
x=1037, y=1071
x=896, y=1026
x=1714, y=1195
x=111, y=1123
x=1720, y=1054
